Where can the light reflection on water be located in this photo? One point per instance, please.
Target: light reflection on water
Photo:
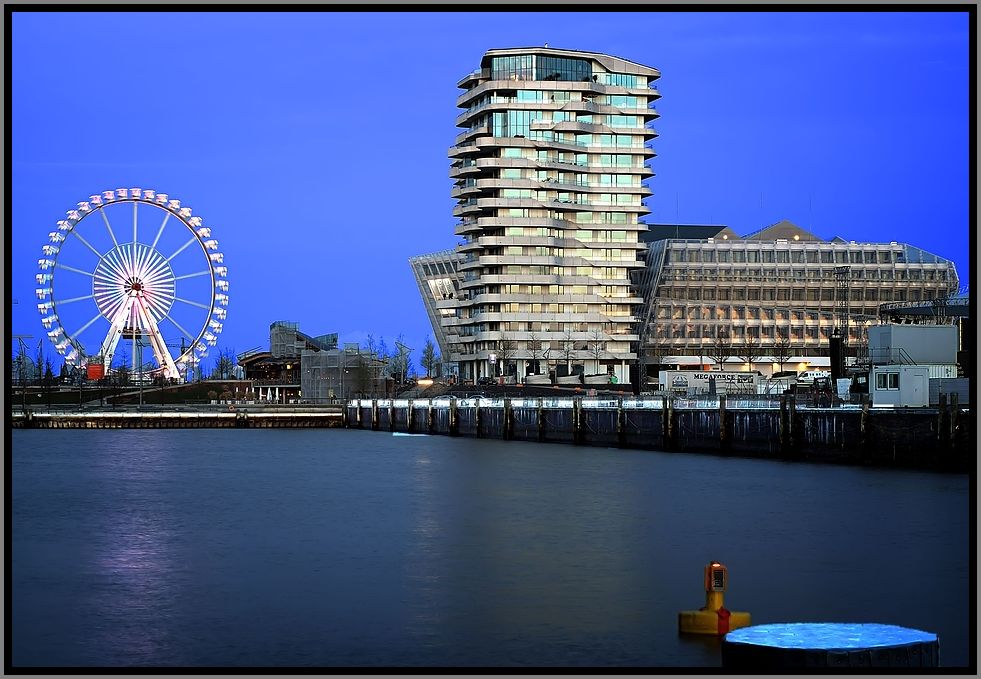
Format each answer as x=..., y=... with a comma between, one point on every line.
x=345, y=548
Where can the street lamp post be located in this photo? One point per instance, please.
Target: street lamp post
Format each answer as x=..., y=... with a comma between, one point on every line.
x=340, y=372
x=139, y=376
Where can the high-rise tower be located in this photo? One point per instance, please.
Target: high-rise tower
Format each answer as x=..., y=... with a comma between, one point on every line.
x=549, y=175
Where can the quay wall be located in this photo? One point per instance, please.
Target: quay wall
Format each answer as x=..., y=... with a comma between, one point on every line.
x=151, y=418
x=939, y=438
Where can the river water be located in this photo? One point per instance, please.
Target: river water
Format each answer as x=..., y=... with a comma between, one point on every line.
x=343, y=548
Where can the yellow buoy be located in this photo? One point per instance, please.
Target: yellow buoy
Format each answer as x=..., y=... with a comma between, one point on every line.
x=713, y=618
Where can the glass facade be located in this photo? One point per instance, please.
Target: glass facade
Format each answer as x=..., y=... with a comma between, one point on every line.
x=513, y=68
x=562, y=68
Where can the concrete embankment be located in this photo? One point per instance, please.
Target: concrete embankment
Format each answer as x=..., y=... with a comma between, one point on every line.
x=149, y=417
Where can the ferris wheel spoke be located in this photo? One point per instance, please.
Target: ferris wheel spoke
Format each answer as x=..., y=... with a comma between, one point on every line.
x=105, y=218
x=179, y=327
x=75, y=299
x=192, y=275
x=111, y=306
x=192, y=303
x=85, y=242
x=181, y=248
x=135, y=206
x=87, y=325
x=158, y=307
x=115, y=265
x=71, y=268
x=160, y=231
x=157, y=272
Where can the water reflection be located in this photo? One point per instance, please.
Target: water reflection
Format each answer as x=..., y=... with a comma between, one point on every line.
x=132, y=560
x=506, y=555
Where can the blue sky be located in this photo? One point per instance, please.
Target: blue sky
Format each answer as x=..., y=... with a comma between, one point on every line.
x=315, y=144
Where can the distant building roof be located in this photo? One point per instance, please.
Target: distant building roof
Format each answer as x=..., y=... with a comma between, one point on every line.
x=657, y=232
x=783, y=229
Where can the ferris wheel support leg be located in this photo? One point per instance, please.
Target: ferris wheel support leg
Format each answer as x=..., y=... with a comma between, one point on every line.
x=108, y=347
x=164, y=359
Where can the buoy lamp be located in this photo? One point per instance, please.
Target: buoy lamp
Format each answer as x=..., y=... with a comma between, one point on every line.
x=714, y=618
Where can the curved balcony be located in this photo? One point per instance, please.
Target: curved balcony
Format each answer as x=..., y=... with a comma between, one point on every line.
x=462, y=229
x=464, y=191
x=462, y=171
x=526, y=241
x=469, y=207
x=489, y=222
x=521, y=260
x=482, y=131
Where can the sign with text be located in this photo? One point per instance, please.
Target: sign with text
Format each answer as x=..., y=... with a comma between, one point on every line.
x=689, y=381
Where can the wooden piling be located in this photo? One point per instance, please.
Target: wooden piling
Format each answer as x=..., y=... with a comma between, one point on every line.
x=621, y=423
x=541, y=421
x=724, y=442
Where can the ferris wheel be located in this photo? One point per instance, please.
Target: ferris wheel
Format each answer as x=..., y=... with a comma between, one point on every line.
x=131, y=269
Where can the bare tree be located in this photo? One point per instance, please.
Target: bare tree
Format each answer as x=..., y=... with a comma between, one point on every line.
x=782, y=348
x=721, y=349
x=749, y=350
x=535, y=349
x=224, y=364
x=48, y=379
x=597, y=347
x=400, y=361
x=506, y=348
x=568, y=345
x=429, y=357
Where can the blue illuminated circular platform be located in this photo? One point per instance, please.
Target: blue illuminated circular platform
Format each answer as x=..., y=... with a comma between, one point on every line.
x=828, y=644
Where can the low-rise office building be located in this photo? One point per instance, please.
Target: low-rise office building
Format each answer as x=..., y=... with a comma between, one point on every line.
x=775, y=296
